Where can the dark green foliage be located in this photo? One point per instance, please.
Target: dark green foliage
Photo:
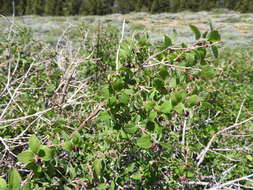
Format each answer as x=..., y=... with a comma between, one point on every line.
x=102, y=7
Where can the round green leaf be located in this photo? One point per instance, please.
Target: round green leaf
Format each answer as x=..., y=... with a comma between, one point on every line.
x=179, y=108
x=193, y=100
x=196, y=31
x=48, y=153
x=130, y=129
x=167, y=41
x=3, y=184
x=68, y=146
x=166, y=107
x=137, y=176
x=144, y=142
x=152, y=115
x=26, y=157
x=14, y=179
x=118, y=85
x=123, y=98
x=214, y=36
x=208, y=72
x=34, y=144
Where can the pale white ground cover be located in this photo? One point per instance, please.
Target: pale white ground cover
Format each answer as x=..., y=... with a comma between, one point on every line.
x=236, y=28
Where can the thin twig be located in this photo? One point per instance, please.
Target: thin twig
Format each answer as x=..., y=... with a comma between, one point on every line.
x=170, y=65
x=25, y=117
x=36, y=114
x=121, y=40
x=92, y=116
x=173, y=49
x=6, y=147
x=216, y=187
x=225, y=173
x=197, y=183
x=201, y=156
x=184, y=129
x=239, y=113
x=15, y=92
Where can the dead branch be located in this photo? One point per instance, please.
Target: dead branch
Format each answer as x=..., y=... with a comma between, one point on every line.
x=201, y=156
x=220, y=186
x=92, y=116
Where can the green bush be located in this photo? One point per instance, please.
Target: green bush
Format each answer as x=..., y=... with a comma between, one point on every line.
x=76, y=120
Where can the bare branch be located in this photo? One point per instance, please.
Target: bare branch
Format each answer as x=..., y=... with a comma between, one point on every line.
x=245, y=178
x=201, y=156
x=118, y=51
x=92, y=116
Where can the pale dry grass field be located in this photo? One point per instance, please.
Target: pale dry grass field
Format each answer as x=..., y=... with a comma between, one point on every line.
x=236, y=28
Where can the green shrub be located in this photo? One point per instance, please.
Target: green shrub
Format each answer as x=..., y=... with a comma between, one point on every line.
x=77, y=122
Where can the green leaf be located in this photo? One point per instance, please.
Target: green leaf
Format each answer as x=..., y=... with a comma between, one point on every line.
x=144, y=141
x=130, y=129
x=112, y=186
x=204, y=35
x=3, y=184
x=34, y=144
x=98, y=167
x=190, y=174
x=202, y=53
x=48, y=153
x=149, y=105
x=215, y=51
x=105, y=92
x=124, y=98
x=196, y=31
x=118, y=85
x=152, y=115
x=167, y=41
x=166, y=107
x=173, y=83
x=214, y=36
x=76, y=138
x=68, y=146
x=158, y=83
x=207, y=72
x=179, y=108
x=14, y=179
x=167, y=146
x=177, y=97
x=105, y=116
x=150, y=125
x=137, y=176
x=26, y=157
x=164, y=72
x=102, y=186
x=66, y=187
x=249, y=157
x=194, y=100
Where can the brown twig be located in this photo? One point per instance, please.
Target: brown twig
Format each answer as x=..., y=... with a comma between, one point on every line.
x=92, y=116
x=173, y=49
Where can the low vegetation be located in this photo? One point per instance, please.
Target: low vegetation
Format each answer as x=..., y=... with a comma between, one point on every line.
x=119, y=111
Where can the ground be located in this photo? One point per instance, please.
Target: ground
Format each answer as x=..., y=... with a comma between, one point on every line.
x=236, y=28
